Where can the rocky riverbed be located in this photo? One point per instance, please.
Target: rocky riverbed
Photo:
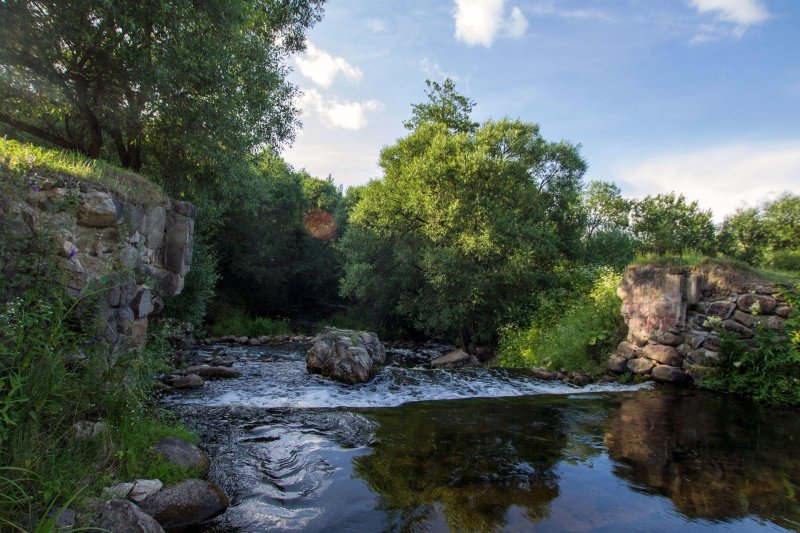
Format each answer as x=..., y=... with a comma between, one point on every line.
x=477, y=449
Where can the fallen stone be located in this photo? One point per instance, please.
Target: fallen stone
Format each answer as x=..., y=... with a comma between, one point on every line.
x=640, y=365
x=98, y=210
x=666, y=355
x=213, y=372
x=189, y=381
x=183, y=454
x=58, y=521
x=162, y=388
x=668, y=374
x=765, y=304
x=188, y=503
x=783, y=311
x=85, y=429
x=735, y=327
x=670, y=339
x=703, y=357
x=454, y=359
x=144, y=488
x=124, y=516
x=541, y=373
x=120, y=490
x=628, y=350
x=617, y=364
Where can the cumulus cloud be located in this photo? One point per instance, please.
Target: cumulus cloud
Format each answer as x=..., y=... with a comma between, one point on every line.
x=482, y=21
x=731, y=17
x=433, y=71
x=335, y=113
x=322, y=68
x=721, y=178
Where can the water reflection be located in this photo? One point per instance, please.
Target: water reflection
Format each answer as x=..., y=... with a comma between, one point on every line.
x=687, y=460
x=714, y=457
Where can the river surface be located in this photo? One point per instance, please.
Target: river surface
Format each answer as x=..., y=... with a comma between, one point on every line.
x=486, y=450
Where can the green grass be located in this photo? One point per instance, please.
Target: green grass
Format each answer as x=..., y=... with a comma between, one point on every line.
x=237, y=323
x=691, y=259
x=23, y=161
x=576, y=336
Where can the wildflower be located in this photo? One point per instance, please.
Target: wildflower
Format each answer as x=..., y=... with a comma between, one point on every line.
x=73, y=252
x=32, y=185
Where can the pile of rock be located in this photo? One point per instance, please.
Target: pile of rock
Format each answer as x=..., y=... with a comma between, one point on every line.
x=673, y=315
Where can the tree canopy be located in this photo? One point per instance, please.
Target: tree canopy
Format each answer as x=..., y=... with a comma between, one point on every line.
x=85, y=73
x=474, y=220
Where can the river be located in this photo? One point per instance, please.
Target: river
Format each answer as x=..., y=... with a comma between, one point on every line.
x=486, y=450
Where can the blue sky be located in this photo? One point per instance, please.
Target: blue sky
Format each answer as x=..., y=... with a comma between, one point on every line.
x=697, y=96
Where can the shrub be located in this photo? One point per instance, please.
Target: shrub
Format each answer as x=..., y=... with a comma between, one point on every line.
x=575, y=336
x=769, y=371
x=236, y=322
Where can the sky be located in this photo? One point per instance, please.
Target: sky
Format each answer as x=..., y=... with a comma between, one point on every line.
x=701, y=97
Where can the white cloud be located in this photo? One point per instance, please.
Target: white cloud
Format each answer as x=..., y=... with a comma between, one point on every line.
x=433, y=71
x=322, y=68
x=376, y=26
x=720, y=178
x=481, y=21
x=739, y=12
x=731, y=18
x=335, y=113
x=548, y=8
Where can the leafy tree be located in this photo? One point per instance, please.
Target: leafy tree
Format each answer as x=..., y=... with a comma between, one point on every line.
x=743, y=236
x=606, y=209
x=782, y=222
x=445, y=105
x=608, y=240
x=666, y=224
x=185, y=77
x=472, y=221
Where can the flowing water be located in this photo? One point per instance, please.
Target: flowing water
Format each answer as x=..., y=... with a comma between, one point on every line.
x=486, y=450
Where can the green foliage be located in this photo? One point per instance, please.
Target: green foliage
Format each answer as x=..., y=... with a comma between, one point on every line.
x=21, y=161
x=446, y=106
x=235, y=322
x=52, y=375
x=143, y=76
x=463, y=227
x=574, y=329
x=768, y=372
x=191, y=304
x=666, y=224
x=277, y=240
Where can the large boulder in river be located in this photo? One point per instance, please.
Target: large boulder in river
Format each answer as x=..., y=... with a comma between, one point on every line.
x=188, y=503
x=123, y=516
x=183, y=454
x=346, y=355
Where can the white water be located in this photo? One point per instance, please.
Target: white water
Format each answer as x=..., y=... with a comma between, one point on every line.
x=278, y=379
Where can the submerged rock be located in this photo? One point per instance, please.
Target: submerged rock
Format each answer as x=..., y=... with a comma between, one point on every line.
x=212, y=372
x=189, y=381
x=183, y=454
x=455, y=359
x=346, y=355
x=187, y=503
x=123, y=516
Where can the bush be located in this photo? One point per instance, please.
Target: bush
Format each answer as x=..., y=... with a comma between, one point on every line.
x=768, y=372
x=574, y=336
x=235, y=322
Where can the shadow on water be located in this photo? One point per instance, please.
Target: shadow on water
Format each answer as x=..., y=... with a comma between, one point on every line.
x=649, y=460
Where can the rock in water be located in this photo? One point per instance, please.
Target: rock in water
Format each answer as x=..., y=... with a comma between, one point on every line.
x=123, y=516
x=187, y=503
x=345, y=355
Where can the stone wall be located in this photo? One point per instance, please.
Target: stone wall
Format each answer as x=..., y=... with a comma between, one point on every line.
x=667, y=311
x=119, y=253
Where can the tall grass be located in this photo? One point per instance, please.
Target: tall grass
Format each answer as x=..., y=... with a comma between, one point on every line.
x=572, y=331
x=54, y=374
x=24, y=161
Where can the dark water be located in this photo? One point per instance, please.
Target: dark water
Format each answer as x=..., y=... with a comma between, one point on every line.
x=533, y=457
